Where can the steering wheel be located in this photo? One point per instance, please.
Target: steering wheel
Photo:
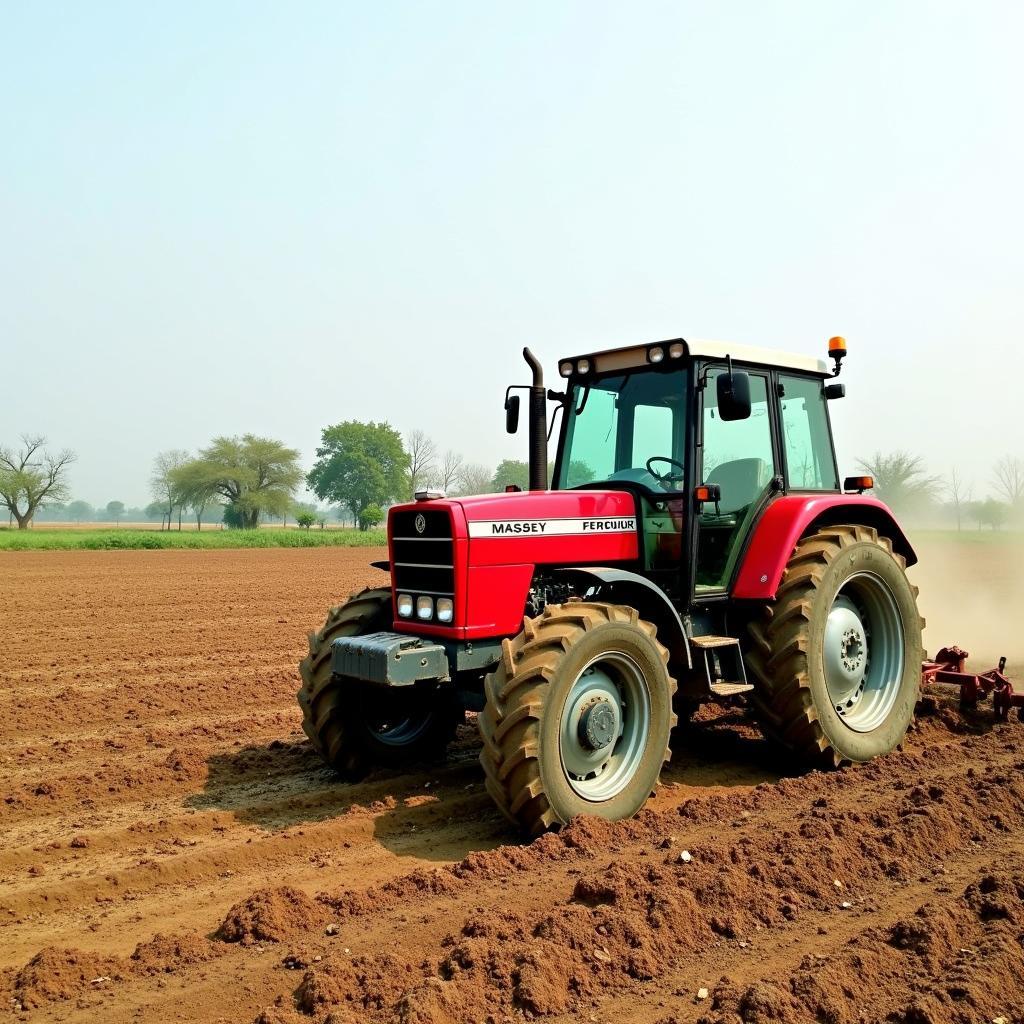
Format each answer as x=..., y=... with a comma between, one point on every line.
x=669, y=477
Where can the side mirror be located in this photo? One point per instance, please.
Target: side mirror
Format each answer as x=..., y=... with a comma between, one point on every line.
x=512, y=413
x=733, y=395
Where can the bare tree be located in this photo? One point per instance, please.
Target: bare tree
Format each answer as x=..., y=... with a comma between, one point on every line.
x=1009, y=480
x=959, y=496
x=164, y=483
x=475, y=479
x=901, y=480
x=451, y=466
x=31, y=478
x=422, y=452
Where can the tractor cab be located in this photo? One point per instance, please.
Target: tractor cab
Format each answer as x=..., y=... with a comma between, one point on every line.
x=704, y=434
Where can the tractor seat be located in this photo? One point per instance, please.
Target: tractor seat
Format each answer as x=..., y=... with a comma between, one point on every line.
x=741, y=481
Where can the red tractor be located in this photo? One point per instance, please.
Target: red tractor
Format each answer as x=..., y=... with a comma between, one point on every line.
x=693, y=543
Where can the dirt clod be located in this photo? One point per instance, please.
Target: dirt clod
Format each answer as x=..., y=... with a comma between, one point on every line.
x=270, y=915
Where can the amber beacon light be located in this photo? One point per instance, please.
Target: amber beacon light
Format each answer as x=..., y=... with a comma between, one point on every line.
x=837, y=351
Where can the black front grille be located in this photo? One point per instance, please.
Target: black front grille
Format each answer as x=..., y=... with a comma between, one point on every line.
x=423, y=560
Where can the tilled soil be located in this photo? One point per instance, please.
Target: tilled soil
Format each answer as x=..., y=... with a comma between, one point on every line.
x=171, y=849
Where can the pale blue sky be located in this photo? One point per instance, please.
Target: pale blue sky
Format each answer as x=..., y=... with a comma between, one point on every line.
x=227, y=217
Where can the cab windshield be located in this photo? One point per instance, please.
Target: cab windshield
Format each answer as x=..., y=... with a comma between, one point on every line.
x=630, y=428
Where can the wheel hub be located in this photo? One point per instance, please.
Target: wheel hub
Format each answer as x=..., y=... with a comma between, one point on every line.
x=852, y=650
x=604, y=725
x=598, y=724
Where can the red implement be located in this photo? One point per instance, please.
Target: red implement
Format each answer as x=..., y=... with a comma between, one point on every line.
x=948, y=669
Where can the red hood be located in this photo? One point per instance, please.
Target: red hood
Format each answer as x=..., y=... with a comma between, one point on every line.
x=549, y=527
x=549, y=512
x=499, y=540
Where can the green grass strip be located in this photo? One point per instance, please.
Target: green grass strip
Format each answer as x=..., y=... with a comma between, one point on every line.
x=136, y=540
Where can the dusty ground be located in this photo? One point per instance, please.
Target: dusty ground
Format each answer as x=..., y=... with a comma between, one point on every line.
x=171, y=850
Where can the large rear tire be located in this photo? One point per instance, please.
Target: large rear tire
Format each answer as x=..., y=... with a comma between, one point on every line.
x=837, y=656
x=357, y=726
x=577, y=716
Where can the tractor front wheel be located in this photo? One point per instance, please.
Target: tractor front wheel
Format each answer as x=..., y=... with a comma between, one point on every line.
x=837, y=656
x=356, y=726
x=577, y=716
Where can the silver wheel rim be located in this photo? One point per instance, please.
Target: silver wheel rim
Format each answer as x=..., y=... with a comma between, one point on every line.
x=604, y=726
x=863, y=652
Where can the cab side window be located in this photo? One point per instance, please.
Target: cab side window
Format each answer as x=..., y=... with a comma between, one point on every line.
x=810, y=462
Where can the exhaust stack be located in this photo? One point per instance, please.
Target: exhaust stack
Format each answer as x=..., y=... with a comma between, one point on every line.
x=538, y=412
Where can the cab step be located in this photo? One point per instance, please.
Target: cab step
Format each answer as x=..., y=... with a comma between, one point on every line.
x=706, y=643
x=721, y=659
x=730, y=689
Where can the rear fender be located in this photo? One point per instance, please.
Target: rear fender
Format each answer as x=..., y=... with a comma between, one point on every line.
x=788, y=518
x=652, y=603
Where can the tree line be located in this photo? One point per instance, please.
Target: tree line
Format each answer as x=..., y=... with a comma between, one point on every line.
x=362, y=468
x=903, y=482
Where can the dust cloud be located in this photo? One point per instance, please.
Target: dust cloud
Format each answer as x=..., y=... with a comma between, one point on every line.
x=972, y=595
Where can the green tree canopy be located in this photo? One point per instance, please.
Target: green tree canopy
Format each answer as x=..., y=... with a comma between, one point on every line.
x=511, y=471
x=254, y=475
x=32, y=478
x=80, y=510
x=194, y=485
x=163, y=481
x=359, y=465
x=373, y=515
x=115, y=509
x=991, y=512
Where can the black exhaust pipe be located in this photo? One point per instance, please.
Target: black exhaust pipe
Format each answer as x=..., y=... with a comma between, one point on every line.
x=538, y=426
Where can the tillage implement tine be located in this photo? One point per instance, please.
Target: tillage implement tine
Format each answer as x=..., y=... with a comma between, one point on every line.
x=949, y=669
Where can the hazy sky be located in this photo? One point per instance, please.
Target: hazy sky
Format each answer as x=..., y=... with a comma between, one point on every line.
x=218, y=218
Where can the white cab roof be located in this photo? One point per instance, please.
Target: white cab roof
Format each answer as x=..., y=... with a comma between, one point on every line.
x=636, y=355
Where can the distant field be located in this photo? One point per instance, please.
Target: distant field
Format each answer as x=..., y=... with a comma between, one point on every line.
x=132, y=538
x=155, y=526
x=971, y=536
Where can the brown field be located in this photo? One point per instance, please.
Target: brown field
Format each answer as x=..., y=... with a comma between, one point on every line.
x=170, y=848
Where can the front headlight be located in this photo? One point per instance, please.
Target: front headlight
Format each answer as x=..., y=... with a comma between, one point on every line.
x=424, y=607
x=445, y=609
x=405, y=605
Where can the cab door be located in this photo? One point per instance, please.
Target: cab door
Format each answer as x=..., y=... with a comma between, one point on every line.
x=741, y=458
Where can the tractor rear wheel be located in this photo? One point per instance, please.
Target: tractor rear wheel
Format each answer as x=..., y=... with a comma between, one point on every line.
x=577, y=716
x=837, y=655
x=356, y=726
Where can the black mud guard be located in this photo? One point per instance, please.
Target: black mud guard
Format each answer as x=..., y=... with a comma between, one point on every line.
x=646, y=597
